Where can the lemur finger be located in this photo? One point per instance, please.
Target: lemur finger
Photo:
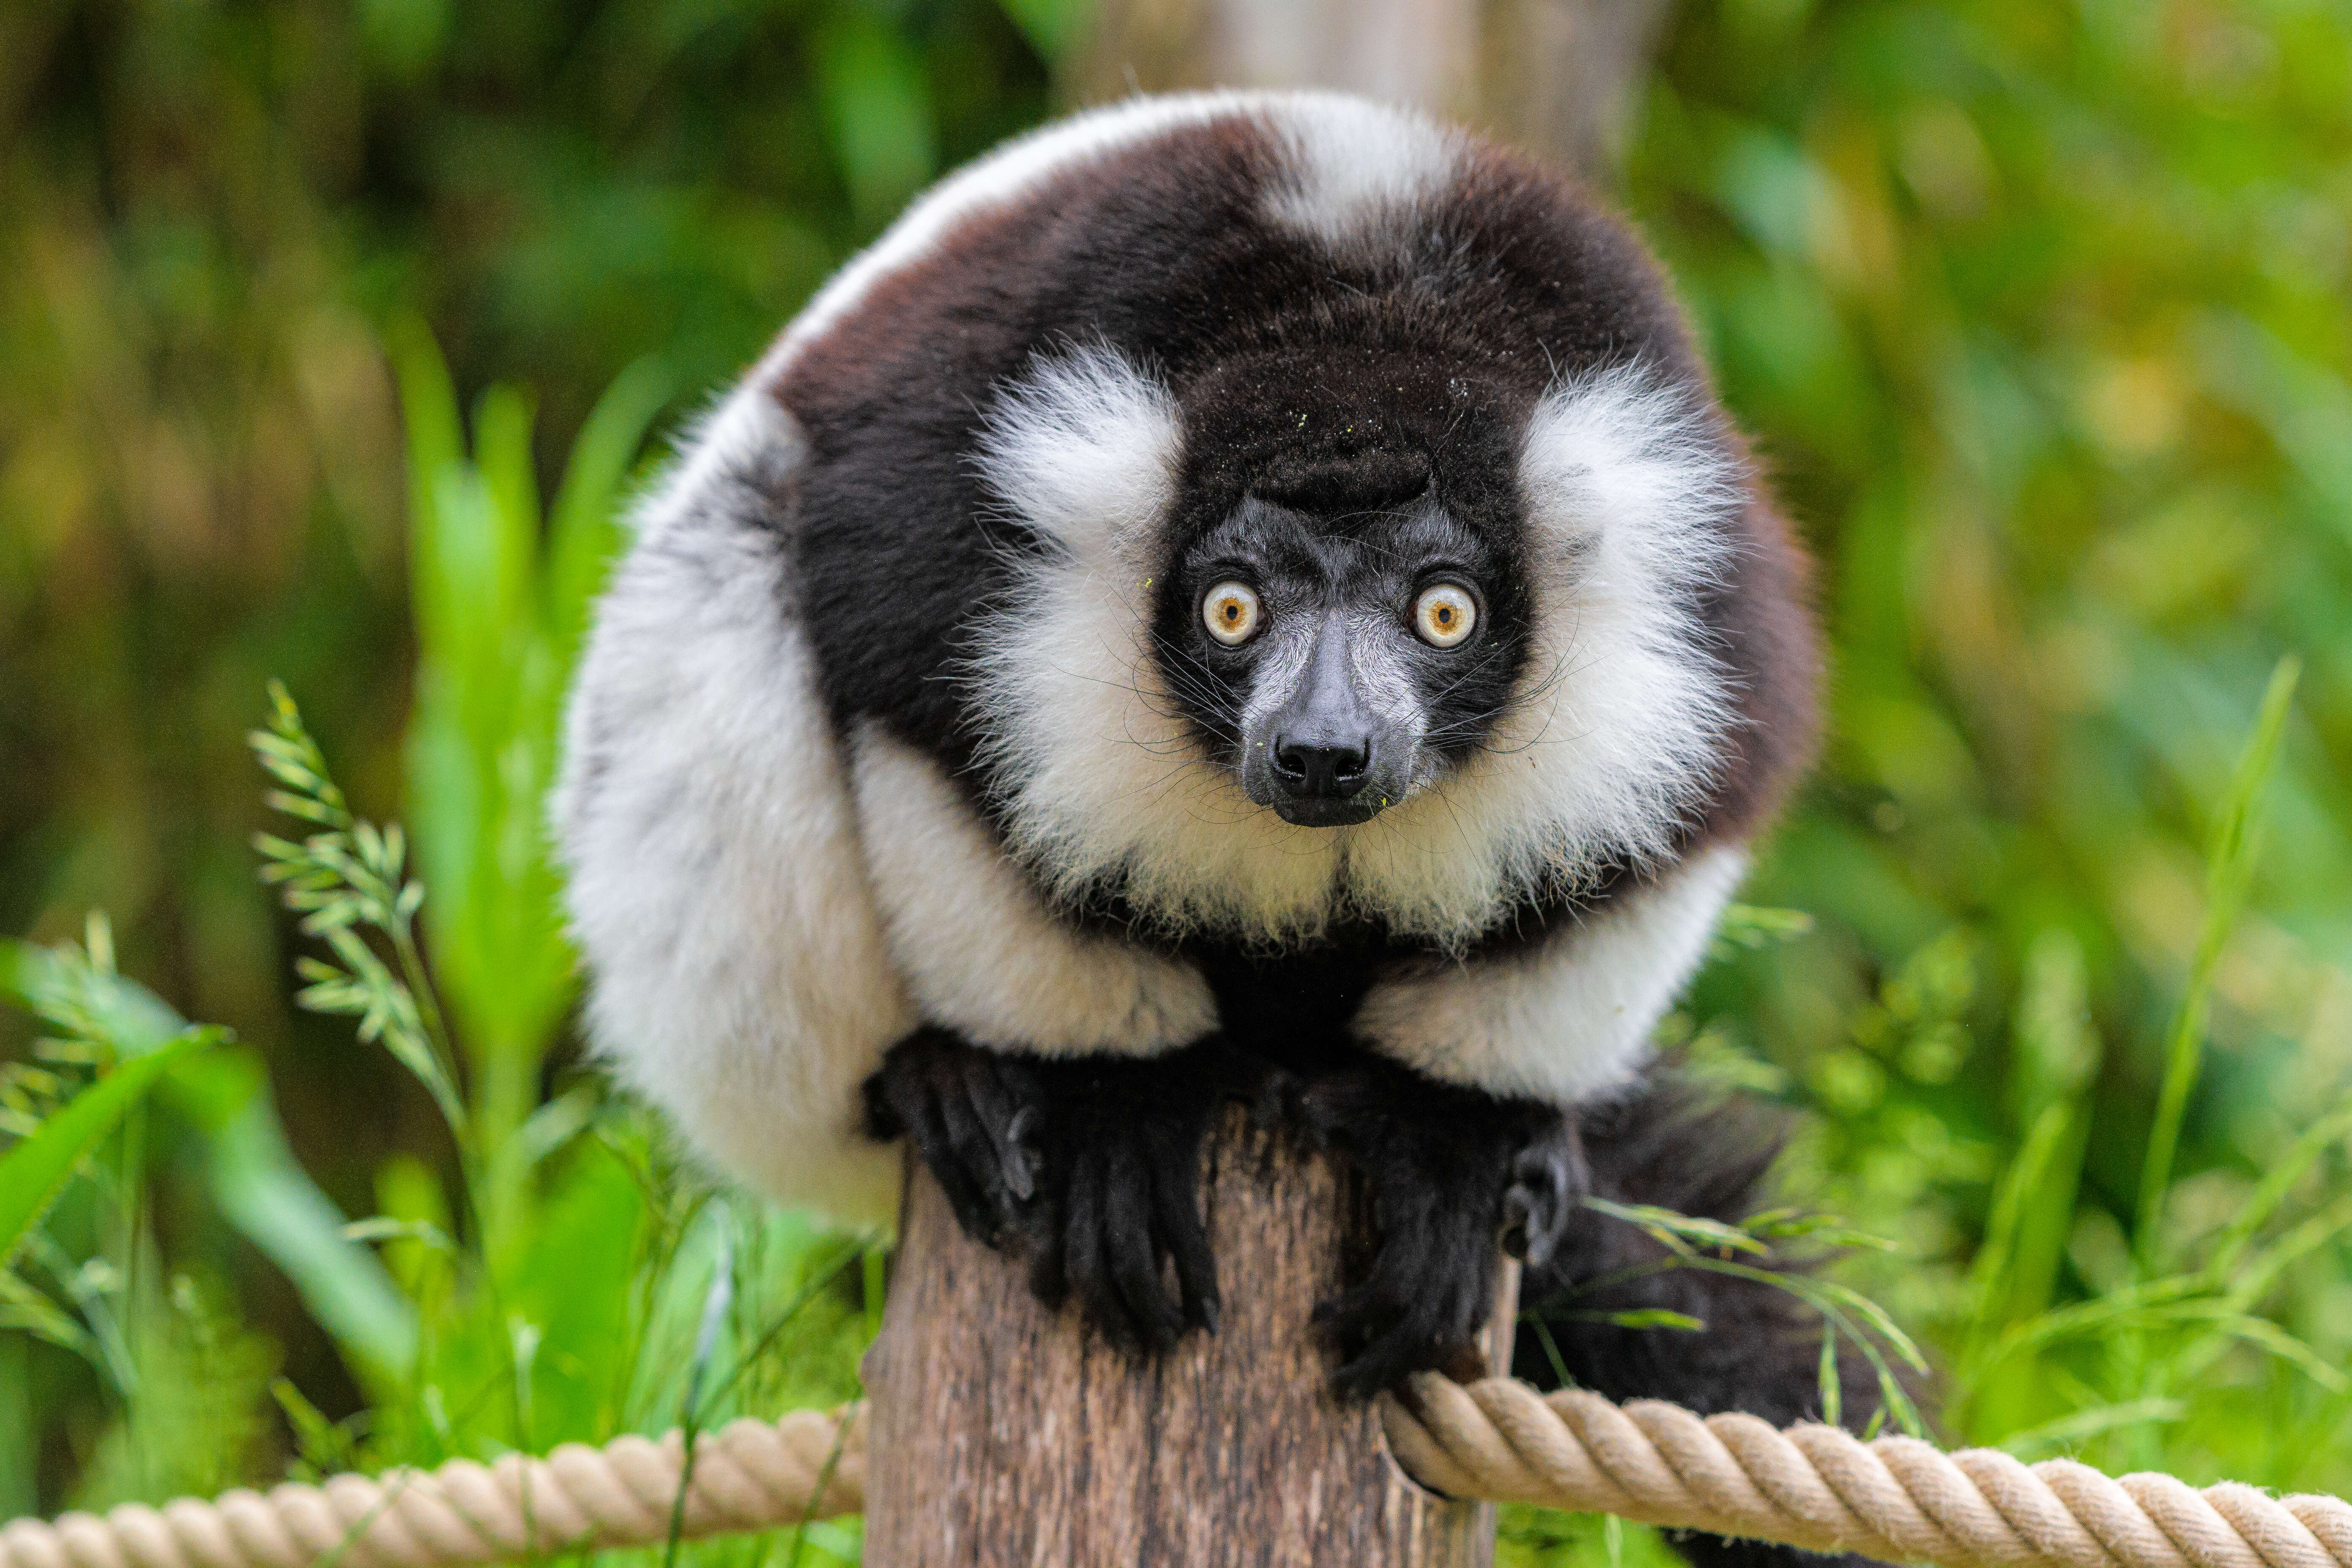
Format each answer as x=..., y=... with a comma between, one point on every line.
x=1083, y=1262
x=927, y=1124
x=989, y=1084
x=973, y=1212
x=1382, y=1363
x=975, y=1152
x=1431, y=1330
x=1024, y=1151
x=1537, y=1206
x=1397, y=1271
x=1128, y=1243
x=1177, y=1207
x=1046, y=1247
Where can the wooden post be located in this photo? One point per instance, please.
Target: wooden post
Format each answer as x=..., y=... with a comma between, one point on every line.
x=1002, y=1434
x=1559, y=78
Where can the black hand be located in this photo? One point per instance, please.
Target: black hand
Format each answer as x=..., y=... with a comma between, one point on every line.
x=975, y=1116
x=1455, y=1174
x=1121, y=1191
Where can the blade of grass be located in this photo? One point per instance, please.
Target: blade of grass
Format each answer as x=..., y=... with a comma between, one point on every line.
x=2068, y=1431
x=2237, y=840
x=2272, y=1190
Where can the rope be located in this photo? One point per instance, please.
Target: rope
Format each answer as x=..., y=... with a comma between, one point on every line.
x=1810, y=1486
x=749, y=1475
x=1816, y=1487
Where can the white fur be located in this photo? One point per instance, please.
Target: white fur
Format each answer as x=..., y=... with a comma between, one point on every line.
x=979, y=949
x=1351, y=162
x=1356, y=169
x=1570, y=1019
x=1611, y=742
x=740, y=976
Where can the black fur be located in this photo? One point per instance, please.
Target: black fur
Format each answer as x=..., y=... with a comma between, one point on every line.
x=1455, y=1174
x=1088, y=1166
x=1678, y=1149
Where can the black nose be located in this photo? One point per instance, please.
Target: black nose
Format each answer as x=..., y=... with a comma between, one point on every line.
x=1332, y=769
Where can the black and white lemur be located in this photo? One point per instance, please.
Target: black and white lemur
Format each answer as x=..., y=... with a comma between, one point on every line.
x=1231, y=596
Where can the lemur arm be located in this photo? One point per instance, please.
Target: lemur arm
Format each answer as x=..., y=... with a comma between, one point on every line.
x=1462, y=1113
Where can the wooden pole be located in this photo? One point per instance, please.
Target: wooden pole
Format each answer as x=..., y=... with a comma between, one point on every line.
x=1559, y=78
x=1002, y=1434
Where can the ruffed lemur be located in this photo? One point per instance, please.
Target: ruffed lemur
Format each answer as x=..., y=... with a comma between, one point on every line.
x=1232, y=594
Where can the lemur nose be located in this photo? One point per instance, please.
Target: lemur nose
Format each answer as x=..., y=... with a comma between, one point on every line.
x=1332, y=769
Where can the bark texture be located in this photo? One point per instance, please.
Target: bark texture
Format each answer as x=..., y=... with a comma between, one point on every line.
x=1002, y=1434
x=1555, y=77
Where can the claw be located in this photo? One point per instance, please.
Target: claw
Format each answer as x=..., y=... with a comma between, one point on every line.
x=961, y=1107
x=1024, y=1155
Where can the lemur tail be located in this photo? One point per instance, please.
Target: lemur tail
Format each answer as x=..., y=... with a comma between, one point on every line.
x=1678, y=1147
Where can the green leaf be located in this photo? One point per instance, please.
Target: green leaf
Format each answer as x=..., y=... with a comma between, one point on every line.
x=1675, y=1230
x=272, y=1202
x=34, y=1172
x=259, y=1188
x=428, y=406
x=2237, y=839
x=1656, y=1318
x=584, y=533
x=2070, y=1431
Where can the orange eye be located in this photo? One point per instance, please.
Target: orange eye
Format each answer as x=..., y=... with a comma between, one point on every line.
x=1231, y=613
x=1444, y=614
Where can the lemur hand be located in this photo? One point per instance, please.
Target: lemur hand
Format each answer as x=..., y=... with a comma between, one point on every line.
x=1453, y=1172
x=1090, y=1167
x=975, y=1117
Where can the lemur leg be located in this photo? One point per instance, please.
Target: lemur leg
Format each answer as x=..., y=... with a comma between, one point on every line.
x=1088, y=1166
x=1761, y=1350
x=1455, y=1174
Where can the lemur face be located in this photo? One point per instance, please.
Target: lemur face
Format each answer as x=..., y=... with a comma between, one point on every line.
x=1338, y=661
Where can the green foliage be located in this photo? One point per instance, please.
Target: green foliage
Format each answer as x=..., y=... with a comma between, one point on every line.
x=223, y=1096
x=588, y=1288
x=2037, y=316
x=36, y=1166
x=501, y=602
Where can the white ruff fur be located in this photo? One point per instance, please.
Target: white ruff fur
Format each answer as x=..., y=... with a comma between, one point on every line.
x=742, y=981
x=979, y=949
x=1586, y=1000
x=1610, y=741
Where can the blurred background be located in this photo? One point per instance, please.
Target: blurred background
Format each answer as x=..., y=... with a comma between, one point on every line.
x=330, y=331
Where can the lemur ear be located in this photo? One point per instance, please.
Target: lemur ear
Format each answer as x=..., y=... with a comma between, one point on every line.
x=1083, y=445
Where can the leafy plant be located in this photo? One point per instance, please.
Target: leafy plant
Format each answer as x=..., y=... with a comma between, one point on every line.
x=502, y=597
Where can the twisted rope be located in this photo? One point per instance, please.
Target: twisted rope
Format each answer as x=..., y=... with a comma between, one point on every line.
x=1816, y=1487
x=749, y=1475
x=1810, y=1486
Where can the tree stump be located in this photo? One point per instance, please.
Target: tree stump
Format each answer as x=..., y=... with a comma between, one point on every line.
x=1002, y=1434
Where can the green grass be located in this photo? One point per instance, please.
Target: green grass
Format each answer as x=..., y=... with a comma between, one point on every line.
x=2039, y=316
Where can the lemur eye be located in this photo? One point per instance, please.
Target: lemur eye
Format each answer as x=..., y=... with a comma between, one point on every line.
x=1231, y=611
x=1444, y=614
